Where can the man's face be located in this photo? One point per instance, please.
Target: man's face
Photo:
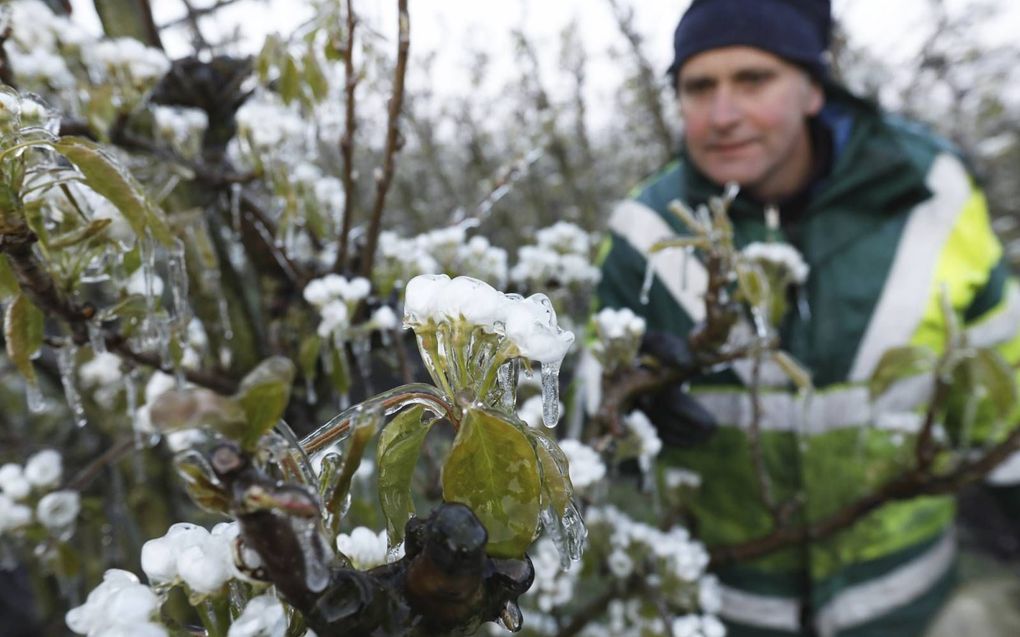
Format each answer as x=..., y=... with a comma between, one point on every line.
x=744, y=114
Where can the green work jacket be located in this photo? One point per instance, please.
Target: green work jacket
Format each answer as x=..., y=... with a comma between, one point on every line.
x=897, y=220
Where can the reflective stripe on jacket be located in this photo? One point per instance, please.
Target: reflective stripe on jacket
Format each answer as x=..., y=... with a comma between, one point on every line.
x=897, y=221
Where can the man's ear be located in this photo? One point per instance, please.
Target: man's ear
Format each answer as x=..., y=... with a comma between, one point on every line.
x=815, y=98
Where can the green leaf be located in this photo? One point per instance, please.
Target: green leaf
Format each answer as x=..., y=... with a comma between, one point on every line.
x=989, y=376
x=897, y=364
x=396, y=458
x=79, y=235
x=23, y=332
x=195, y=408
x=290, y=80
x=493, y=469
x=753, y=284
x=267, y=57
x=8, y=282
x=339, y=371
x=554, y=467
x=103, y=175
x=263, y=395
x=796, y=372
x=314, y=77
x=308, y=356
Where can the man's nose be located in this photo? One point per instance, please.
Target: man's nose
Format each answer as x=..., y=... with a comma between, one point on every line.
x=725, y=111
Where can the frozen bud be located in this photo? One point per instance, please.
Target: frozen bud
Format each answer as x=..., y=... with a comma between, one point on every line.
x=620, y=563
x=712, y=627
x=618, y=323
x=43, y=470
x=357, y=289
x=709, y=594
x=58, y=510
x=13, y=481
x=205, y=566
x=102, y=370
x=687, y=626
x=385, y=318
x=531, y=325
x=12, y=514
x=420, y=296
x=779, y=255
x=643, y=428
x=263, y=616
x=120, y=605
x=334, y=319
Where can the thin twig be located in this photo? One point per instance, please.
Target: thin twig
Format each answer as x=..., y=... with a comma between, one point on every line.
x=347, y=141
x=393, y=138
x=83, y=478
x=754, y=439
x=194, y=13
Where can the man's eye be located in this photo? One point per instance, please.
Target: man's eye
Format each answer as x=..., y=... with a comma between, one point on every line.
x=754, y=79
x=694, y=89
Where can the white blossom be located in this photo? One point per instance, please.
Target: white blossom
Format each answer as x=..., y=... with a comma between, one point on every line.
x=190, y=554
x=127, y=58
x=384, y=318
x=263, y=616
x=586, y=466
x=619, y=323
x=675, y=478
x=59, y=509
x=334, y=319
x=649, y=439
x=13, y=515
x=13, y=481
x=365, y=548
x=103, y=370
x=120, y=605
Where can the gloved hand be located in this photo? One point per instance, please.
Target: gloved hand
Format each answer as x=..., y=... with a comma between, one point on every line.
x=680, y=419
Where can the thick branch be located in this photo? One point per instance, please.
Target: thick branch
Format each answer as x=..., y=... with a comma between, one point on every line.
x=393, y=138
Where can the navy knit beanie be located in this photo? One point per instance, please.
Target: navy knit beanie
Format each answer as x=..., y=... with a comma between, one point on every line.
x=795, y=30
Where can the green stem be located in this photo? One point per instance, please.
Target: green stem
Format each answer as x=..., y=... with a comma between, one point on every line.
x=214, y=611
x=17, y=147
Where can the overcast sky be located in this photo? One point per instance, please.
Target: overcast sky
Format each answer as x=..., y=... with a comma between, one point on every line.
x=452, y=28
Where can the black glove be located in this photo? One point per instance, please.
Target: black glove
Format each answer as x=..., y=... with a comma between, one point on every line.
x=680, y=419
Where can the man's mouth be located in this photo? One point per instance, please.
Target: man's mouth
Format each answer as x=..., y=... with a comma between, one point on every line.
x=730, y=147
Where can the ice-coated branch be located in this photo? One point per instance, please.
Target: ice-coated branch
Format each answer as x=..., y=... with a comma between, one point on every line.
x=40, y=287
x=394, y=140
x=347, y=140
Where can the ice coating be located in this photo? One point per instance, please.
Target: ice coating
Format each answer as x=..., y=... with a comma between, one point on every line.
x=530, y=324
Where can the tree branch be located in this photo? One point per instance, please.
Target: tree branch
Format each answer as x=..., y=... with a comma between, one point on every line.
x=347, y=141
x=393, y=138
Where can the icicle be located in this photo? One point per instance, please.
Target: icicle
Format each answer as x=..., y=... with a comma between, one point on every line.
x=646, y=285
x=510, y=617
x=550, y=394
x=235, y=207
x=361, y=347
x=65, y=362
x=803, y=309
x=96, y=337
x=730, y=192
x=567, y=532
x=316, y=553
x=688, y=255
x=310, y=396
x=177, y=278
x=34, y=398
x=131, y=398
x=506, y=376
x=386, y=337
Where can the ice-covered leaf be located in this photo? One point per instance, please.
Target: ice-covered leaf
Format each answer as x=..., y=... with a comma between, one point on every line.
x=314, y=77
x=308, y=356
x=897, y=364
x=194, y=408
x=201, y=483
x=363, y=428
x=396, y=457
x=23, y=333
x=104, y=176
x=8, y=282
x=79, y=235
x=753, y=284
x=986, y=375
x=290, y=80
x=554, y=469
x=263, y=395
x=493, y=469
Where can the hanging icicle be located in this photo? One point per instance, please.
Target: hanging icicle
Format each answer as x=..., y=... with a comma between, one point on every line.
x=550, y=394
x=65, y=364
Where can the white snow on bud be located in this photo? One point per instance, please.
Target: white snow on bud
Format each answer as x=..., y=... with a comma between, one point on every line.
x=366, y=548
x=102, y=371
x=780, y=255
x=13, y=515
x=333, y=287
x=530, y=324
x=334, y=319
x=120, y=605
x=58, y=510
x=649, y=439
x=385, y=318
x=190, y=554
x=13, y=482
x=586, y=466
x=263, y=616
x=618, y=323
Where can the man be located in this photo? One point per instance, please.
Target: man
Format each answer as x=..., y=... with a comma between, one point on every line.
x=886, y=217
